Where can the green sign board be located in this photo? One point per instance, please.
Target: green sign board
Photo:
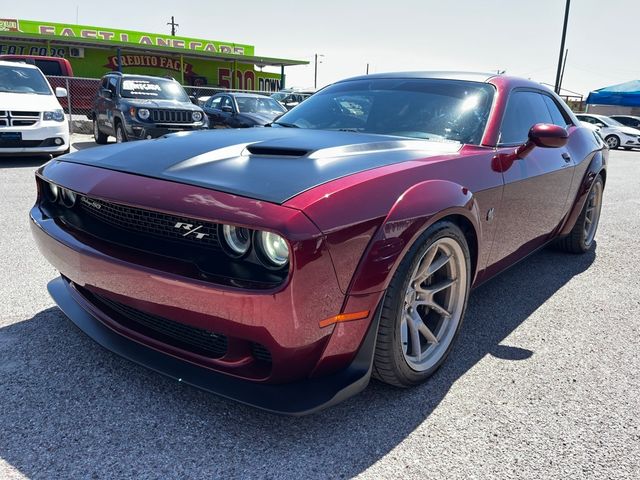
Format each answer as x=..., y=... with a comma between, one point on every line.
x=172, y=59
x=113, y=35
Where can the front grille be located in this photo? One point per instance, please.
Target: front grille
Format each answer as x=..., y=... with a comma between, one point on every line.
x=18, y=143
x=192, y=339
x=171, y=116
x=18, y=118
x=260, y=352
x=156, y=224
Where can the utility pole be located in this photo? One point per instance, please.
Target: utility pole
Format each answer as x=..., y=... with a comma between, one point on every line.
x=315, y=71
x=173, y=26
x=564, y=63
x=367, y=69
x=564, y=35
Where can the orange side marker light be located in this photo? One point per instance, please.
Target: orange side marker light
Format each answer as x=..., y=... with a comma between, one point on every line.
x=344, y=317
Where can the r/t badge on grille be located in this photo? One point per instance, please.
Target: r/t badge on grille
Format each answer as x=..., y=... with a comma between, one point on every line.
x=191, y=229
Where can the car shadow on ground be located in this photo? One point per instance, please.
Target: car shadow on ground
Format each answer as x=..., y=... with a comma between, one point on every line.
x=24, y=162
x=72, y=409
x=85, y=145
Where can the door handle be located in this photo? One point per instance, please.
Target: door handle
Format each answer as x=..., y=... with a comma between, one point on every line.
x=567, y=157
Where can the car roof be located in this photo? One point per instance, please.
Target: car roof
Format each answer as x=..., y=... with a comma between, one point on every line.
x=133, y=75
x=635, y=117
x=448, y=75
x=591, y=115
x=5, y=63
x=241, y=94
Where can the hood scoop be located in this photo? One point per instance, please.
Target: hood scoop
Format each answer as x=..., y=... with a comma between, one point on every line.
x=257, y=149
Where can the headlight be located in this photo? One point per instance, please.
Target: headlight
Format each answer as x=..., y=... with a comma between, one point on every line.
x=143, y=113
x=68, y=197
x=237, y=239
x=273, y=248
x=197, y=116
x=51, y=192
x=55, y=115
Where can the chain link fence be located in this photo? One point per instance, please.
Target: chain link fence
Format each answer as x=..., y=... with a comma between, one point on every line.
x=81, y=93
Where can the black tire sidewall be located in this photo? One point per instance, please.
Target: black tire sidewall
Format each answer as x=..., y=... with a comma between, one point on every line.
x=406, y=374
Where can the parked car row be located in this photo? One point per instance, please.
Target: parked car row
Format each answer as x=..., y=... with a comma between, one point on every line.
x=616, y=134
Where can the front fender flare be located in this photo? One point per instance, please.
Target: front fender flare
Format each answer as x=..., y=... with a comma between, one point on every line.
x=413, y=212
x=597, y=165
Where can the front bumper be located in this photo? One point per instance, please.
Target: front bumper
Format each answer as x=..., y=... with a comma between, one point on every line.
x=137, y=130
x=299, y=398
x=284, y=319
x=629, y=141
x=39, y=138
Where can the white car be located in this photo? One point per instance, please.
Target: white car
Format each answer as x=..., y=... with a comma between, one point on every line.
x=31, y=118
x=615, y=134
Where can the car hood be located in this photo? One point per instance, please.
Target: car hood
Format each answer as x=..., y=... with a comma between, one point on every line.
x=28, y=102
x=144, y=103
x=271, y=164
x=628, y=130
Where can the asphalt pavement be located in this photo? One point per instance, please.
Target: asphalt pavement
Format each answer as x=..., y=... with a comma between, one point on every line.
x=544, y=380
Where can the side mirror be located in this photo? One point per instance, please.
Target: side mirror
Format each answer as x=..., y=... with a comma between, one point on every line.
x=227, y=109
x=543, y=135
x=106, y=93
x=194, y=99
x=61, y=92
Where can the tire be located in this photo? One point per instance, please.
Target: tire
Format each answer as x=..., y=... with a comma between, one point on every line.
x=121, y=136
x=99, y=137
x=580, y=239
x=396, y=361
x=612, y=141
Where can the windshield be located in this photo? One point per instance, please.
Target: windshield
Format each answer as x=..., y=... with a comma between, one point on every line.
x=431, y=109
x=259, y=105
x=17, y=79
x=611, y=122
x=153, y=89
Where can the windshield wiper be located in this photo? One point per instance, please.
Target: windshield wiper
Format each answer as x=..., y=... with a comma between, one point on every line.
x=283, y=124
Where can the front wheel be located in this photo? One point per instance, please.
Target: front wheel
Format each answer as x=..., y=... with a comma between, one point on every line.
x=99, y=137
x=583, y=233
x=121, y=136
x=612, y=142
x=423, y=307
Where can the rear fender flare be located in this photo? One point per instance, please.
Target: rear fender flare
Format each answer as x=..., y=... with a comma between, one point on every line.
x=413, y=212
x=596, y=167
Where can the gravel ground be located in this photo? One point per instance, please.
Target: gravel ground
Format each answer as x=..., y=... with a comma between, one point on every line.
x=543, y=382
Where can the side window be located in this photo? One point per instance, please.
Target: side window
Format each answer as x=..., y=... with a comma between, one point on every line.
x=556, y=114
x=524, y=110
x=226, y=102
x=215, y=102
x=113, y=85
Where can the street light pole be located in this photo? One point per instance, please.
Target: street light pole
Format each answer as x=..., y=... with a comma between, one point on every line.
x=564, y=35
x=315, y=71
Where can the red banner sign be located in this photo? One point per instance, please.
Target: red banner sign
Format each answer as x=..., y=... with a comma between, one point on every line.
x=151, y=61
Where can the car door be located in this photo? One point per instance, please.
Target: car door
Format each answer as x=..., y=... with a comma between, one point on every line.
x=212, y=110
x=111, y=103
x=98, y=104
x=536, y=187
x=227, y=111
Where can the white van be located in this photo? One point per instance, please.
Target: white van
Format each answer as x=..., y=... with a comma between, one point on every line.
x=31, y=118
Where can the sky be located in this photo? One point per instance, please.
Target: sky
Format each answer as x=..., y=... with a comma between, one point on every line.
x=521, y=37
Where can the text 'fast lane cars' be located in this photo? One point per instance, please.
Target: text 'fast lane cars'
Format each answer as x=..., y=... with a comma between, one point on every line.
x=241, y=110
x=138, y=107
x=283, y=266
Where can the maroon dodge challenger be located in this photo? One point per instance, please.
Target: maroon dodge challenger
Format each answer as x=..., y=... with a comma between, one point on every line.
x=282, y=267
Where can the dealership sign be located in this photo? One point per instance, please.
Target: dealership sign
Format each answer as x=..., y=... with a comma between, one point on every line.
x=153, y=61
x=65, y=31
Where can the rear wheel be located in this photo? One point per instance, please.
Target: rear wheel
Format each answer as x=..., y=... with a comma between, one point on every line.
x=583, y=232
x=121, y=136
x=423, y=307
x=99, y=137
x=612, y=142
